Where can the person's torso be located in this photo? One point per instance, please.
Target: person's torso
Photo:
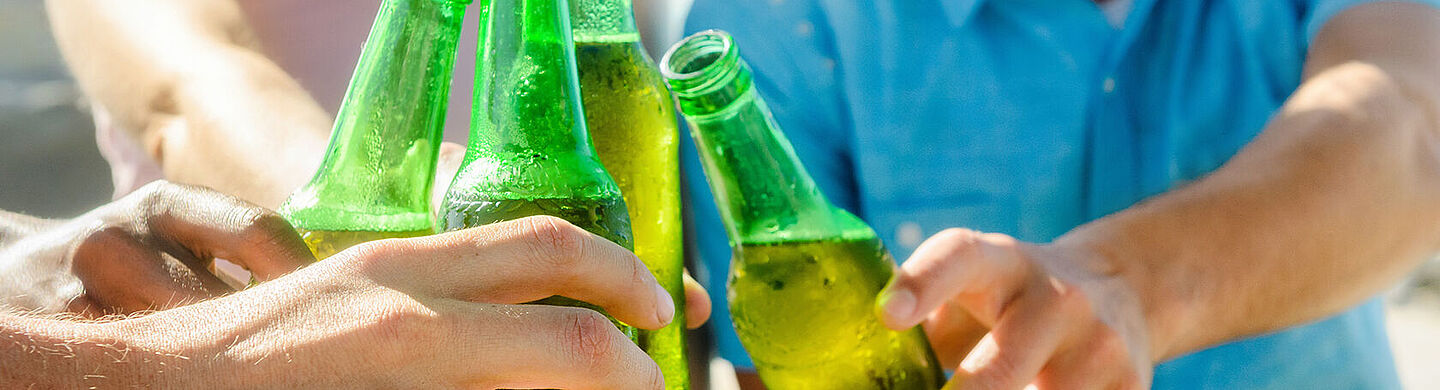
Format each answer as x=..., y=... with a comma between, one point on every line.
x=1031, y=117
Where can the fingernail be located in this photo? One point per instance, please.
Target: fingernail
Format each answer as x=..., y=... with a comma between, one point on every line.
x=665, y=306
x=897, y=305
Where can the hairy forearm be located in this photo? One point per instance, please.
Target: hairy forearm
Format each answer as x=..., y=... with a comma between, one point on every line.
x=54, y=353
x=184, y=80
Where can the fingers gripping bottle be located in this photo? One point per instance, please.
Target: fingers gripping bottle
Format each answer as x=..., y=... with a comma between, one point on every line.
x=805, y=273
x=529, y=152
x=378, y=171
x=631, y=117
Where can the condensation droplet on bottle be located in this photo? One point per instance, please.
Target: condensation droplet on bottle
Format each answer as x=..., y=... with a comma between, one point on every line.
x=772, y=227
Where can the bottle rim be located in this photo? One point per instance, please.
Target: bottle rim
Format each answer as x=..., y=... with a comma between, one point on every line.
x=701, y=63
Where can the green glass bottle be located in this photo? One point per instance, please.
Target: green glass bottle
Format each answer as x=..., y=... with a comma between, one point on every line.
x=805, y=273
x=529, y=152
x=378, y=171
x=631, y=117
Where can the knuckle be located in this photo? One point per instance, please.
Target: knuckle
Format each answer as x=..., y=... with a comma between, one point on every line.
x=259, y=222
x=999, y=239
x=399, y=321
x=154, y=190
x=1001, y=245
x=957, y=235
x=262, y=228
x=160, y=195
x=554, y=240
x=369, y=258
x=589, y=336
x=152, y=199
x=960, y=243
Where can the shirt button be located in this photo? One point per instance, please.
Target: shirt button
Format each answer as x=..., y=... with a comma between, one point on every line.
x=909, y=234
x=1109, y=85
x=804, y=29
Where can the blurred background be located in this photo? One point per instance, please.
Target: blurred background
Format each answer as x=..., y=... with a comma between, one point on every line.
x=50, y=167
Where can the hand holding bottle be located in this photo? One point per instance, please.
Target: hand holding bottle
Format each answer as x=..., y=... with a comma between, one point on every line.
x=1056, y=317
x=443, y=311
x=447, y=311
x=150, y=250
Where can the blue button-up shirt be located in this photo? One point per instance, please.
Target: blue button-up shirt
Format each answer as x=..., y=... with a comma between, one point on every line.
x=1029, y=118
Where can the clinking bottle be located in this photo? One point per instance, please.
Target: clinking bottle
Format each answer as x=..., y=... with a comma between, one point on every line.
x=376, y=179
x=529, y=151
x=631, y=118
x=805, y=273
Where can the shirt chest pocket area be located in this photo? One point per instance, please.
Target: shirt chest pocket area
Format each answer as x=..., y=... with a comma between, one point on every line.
x=1025, y=183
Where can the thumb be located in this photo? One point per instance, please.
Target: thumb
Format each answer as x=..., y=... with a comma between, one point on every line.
x=123, y=275
x=211, y=224
x=981, y=271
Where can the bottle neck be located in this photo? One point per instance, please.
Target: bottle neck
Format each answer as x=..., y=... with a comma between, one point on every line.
x=603, y=21
x=528, y=98
x=387, y=133
x=528, y=119
x=763, y=192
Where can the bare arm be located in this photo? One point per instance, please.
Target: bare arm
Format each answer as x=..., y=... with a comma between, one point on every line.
x=68, y=354
x=184, y=79
x=443, y=311
x=1335, y=200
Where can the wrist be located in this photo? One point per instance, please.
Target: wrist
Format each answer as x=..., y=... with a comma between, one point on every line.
x=1165, y=302
x=71, y=354
x=155, y=355
x=201, y=346
x=248, y=340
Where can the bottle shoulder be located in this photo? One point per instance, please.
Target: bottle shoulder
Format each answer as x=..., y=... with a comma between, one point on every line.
x=306, y=210
x=527, y=175
x=826, y=223
x=623, y=60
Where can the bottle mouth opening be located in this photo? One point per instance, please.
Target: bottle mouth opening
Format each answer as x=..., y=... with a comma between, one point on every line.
x=701, y=62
